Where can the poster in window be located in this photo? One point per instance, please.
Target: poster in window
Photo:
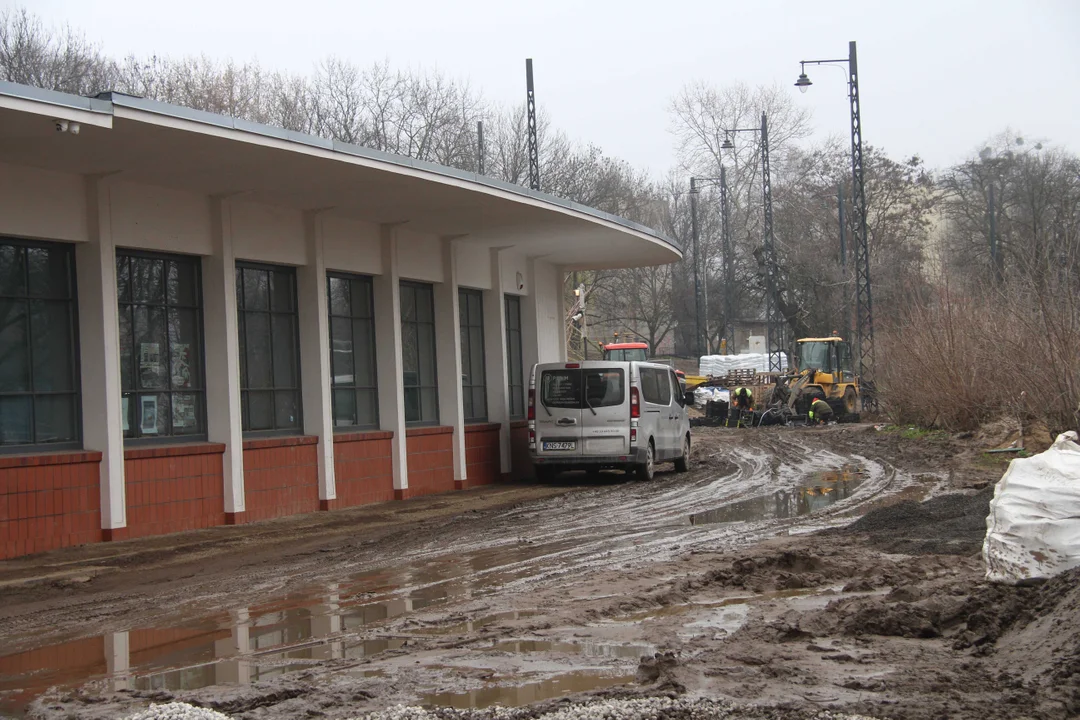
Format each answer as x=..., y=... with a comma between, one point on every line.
x=124, y=412
x=148, y=413
x=183, y=411
x=149, y=357
x=181, y=365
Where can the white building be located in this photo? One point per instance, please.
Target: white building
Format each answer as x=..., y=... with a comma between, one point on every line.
x=208, y=321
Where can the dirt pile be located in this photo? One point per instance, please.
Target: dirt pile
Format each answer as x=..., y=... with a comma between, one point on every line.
x=952, y=524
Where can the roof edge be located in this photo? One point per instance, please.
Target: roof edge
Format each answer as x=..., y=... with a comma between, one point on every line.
x=106, y=102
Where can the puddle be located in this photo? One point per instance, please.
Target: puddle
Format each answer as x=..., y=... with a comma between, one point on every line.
x=816, y=493
x=518, y=695
x=248, y=644
x=723, y=621
x=469, y=626
x=681, y=609
x=586, y=648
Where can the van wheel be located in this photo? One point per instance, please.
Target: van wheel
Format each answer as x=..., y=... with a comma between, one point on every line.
x=682, y=464
x=647, y=469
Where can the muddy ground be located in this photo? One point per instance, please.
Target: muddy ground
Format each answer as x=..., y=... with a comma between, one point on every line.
x=801, y=569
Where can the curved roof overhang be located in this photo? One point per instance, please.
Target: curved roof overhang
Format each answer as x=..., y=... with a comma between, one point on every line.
x=159, y=144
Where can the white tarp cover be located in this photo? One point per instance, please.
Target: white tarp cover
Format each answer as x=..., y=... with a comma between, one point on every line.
x=1033, y=530
x=703, y=395
x=719, y=365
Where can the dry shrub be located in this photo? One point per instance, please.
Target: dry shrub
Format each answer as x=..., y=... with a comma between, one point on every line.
x=966, y=358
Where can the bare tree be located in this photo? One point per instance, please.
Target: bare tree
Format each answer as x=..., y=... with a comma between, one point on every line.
x=56, y=59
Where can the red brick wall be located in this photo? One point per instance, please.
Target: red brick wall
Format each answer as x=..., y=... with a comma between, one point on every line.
x=481, y=454
x=49, y=501
x=281, y=477
x=521, y=464
x=363, y=470
x=173, y=488
x=431, y=460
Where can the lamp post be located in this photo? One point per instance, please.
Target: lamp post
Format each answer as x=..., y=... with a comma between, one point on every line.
x=774, y=323
x=864, y=307
x=697, y=262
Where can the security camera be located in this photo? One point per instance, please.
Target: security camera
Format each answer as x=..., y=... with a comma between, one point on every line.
x=73, y=128
x=61, y=125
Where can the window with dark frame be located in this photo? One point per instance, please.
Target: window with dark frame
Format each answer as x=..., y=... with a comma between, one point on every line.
x=159, y=299
x=418, y=353
x=39, y=359
x=514, y=368
x=354, y=388
x=269, y=348
x=473, y=375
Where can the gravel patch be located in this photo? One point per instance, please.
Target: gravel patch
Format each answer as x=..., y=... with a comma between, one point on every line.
x=652, y=708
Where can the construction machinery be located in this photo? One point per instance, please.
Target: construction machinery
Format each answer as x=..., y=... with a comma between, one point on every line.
x=824, y=369
x=636, y=351
x=627, y=351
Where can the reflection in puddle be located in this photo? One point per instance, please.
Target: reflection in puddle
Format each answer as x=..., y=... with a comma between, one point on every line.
x=518, y=695
x=587, y=648
x=249, y=644
x=820, y=491
x=470, y=626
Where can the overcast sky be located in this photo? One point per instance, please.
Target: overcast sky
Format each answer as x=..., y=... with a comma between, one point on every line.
x=937, y=77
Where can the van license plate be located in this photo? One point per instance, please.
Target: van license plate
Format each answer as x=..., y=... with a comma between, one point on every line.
x=563, y=445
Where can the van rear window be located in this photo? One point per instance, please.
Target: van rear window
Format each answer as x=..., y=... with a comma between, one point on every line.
x=561, y=388
x=603, y=387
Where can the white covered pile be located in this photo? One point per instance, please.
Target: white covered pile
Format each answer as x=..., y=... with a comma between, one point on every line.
x=704, y=394
x=1033, y=530
x=720, y=365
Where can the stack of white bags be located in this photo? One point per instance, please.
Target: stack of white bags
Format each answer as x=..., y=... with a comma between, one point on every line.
x=719, y=365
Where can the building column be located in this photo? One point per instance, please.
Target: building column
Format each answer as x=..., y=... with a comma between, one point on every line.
x=448, y=357
x=495, y=361
x=530, y=340
x=99, y=355
x=315, y=355
x=387, y=292
x=223, y=420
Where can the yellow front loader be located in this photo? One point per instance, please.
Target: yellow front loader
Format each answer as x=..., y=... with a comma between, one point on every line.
x=825, y=370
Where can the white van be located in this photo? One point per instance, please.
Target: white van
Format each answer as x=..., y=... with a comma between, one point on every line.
x=601, y=414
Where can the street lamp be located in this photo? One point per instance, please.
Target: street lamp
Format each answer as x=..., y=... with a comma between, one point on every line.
x=729, y=272
x=774, y=323
x=864, y=308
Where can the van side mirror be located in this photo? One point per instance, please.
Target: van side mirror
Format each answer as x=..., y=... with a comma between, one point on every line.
x=688, y=398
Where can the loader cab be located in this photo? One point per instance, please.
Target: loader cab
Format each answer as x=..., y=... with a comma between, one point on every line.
x=830, y=355
x=627, y=352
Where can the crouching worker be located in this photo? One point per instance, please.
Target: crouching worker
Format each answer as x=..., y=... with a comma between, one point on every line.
x=820, y=412
x=741, y=409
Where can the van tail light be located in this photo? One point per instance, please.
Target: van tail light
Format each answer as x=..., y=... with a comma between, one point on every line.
x=532, y=439
x=635, y=404
x=633, y=436
x=532, y=404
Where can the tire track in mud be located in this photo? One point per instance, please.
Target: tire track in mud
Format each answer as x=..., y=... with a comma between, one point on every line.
x=626, y=522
